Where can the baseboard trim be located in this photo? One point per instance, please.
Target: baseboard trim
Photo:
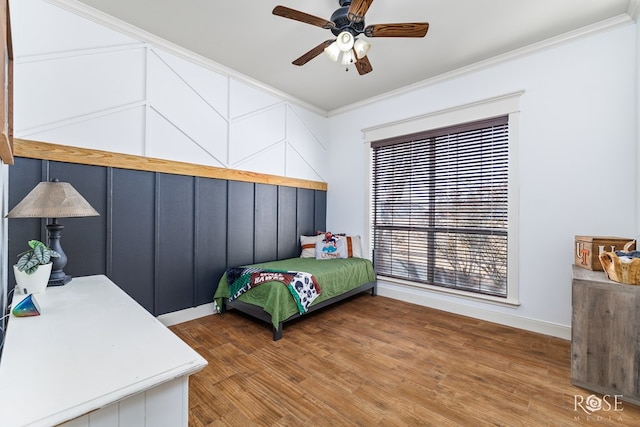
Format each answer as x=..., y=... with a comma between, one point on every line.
x=180, y=316
x=415, y=297
x=423, y=298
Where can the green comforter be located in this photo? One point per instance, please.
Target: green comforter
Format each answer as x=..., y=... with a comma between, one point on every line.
x=335, y=276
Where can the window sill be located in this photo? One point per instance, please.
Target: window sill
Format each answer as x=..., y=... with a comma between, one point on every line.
x=508, y=302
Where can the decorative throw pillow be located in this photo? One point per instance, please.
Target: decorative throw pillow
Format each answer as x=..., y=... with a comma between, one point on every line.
x=308, y=245
x=331, y=247
x=354, y=246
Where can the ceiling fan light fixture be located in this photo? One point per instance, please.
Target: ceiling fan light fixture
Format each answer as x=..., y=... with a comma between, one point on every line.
x=348, y=57
x=361, y=48
x=332, y=51
x=345, y=41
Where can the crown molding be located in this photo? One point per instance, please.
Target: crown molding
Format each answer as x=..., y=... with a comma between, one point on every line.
x=106, y=20
x=634, y=9
x=602, y=26
x=99, y=17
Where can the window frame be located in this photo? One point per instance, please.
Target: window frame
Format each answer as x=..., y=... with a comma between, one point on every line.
x=499, y=106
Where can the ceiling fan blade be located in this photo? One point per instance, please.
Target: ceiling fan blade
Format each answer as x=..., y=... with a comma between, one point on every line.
x=358, y=9
x=296, y=15
x=409, y=29
x=363, y=65
x=312, y=53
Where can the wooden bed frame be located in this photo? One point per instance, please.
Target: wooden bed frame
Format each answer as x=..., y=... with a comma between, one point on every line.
x=258, y=313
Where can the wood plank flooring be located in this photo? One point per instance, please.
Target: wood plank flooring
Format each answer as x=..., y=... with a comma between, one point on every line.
x=375, y=361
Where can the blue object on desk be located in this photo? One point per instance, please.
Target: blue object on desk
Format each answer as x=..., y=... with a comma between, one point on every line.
x=27, y=307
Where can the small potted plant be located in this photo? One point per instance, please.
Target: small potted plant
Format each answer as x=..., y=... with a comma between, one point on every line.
x=33, y=268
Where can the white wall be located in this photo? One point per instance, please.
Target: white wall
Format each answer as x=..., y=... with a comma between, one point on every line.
x=3, y=250
x=576, y=165
x=83, y=84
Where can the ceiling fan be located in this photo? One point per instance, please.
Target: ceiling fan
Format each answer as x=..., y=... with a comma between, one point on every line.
x=347, y=23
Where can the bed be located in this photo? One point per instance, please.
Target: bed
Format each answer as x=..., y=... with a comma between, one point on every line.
x=273, y=302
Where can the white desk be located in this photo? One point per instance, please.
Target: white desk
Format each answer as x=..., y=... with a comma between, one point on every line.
x=93, y=357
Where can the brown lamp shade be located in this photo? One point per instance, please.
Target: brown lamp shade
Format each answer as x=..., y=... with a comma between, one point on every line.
x=53, y=200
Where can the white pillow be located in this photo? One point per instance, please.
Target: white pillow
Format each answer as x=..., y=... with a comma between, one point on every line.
x=308, y=245
x=354, y=246
x=335, y=247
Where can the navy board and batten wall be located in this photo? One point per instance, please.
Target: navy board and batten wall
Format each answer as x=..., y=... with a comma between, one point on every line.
x=165, y=238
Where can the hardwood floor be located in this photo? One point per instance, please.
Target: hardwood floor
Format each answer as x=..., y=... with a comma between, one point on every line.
x=375, y=361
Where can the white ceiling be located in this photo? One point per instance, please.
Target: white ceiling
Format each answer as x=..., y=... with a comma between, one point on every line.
x=245, y=36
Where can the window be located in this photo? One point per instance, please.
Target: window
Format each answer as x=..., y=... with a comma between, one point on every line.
x=440, y=207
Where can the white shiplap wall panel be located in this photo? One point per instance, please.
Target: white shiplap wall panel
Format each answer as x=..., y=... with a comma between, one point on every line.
x=256, y=132
x=39, y=28
x=306, y=144
x=316, y=124
x=122, y=131
x=171, y=143
x=298, y=166
x=270, y=161
x=176, y=101
x=211, y=86
x=64, y=88
x=244, y=99
x=84, y=84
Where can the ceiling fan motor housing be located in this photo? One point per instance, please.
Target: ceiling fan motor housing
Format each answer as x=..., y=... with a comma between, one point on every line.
x=339, y=17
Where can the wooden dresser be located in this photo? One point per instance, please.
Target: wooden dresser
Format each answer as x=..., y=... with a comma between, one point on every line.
x=93, y=357
x=605, y=335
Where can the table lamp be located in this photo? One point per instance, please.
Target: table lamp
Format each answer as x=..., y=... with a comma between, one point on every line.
x=54, y=200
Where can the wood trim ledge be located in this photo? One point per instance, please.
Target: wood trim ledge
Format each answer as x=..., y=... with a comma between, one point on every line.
x=65, y=153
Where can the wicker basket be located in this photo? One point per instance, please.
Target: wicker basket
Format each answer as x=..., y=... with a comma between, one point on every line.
x=621, y=269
